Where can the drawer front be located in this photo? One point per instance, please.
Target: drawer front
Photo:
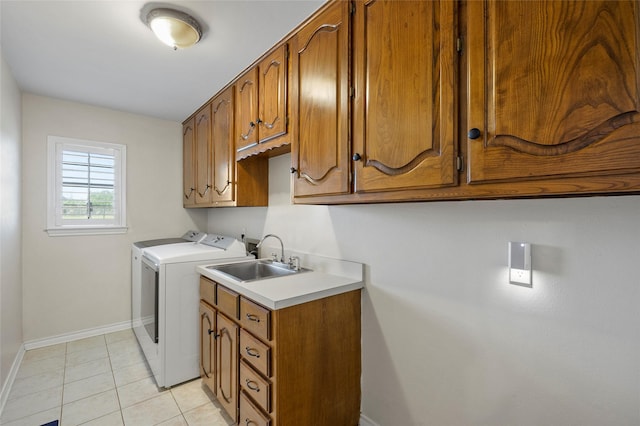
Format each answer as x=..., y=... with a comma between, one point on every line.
x=250, y=415
x=255, y=386
x=227, y=301
x=255, y=352
x=255, y=318
x=208, y=291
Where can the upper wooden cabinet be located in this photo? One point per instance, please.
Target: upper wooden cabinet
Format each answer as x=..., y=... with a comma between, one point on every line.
x=261, y=105
x=405, y=105
x=188, y=156
x=445, y=100
x=219, y=180
x=223, y=156
x=247, y=110
x=320, y=104
x=203, y=156
x=553, y=89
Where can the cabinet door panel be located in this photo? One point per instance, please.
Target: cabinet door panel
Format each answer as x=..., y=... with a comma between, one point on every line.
x=203, y=153
x=247, y=110
x=272, y=87
x=554, y=89
x=188, y=163
x=320, y=153
x=227, y=363
x=405, y=86
x=207, y=346
x=222, y=140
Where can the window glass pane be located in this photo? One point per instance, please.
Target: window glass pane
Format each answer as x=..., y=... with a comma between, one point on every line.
x=88, y=185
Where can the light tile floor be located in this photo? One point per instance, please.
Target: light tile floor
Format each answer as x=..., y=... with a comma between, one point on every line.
x=103, y=381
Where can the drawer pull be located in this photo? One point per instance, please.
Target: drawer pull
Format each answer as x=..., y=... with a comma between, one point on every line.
x=253, y=385
x=252, y=352
x=253, y=317
x=249, y=422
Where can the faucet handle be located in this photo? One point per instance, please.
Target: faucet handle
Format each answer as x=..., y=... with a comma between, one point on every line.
x=294, y=263
x=275, y=256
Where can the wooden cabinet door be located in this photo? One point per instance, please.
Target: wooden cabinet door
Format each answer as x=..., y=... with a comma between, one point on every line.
x=222, y=141
x=203, y=155
x=320, y=104
x=404, y=111
x=247, y=110
x=207, y=346
x=188, y=164
x=227, y=363
x=272, y=95
x=553, y=89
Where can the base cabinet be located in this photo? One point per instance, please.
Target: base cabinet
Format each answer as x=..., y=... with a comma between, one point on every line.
x=293, y=366
x=227, y=365
x=207, y=345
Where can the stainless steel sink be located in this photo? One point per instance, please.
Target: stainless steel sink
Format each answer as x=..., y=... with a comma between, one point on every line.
x=256, y=270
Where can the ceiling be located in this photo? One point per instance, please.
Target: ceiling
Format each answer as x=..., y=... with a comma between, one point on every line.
x=100, y=52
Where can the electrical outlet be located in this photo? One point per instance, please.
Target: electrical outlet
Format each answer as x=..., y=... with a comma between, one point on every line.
x=520, y=263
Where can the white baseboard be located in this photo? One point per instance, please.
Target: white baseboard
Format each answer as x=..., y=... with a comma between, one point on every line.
x=13, y=372
x=366, y=421
x=76, y=335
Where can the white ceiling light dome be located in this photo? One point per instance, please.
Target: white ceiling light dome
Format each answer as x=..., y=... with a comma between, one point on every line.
x=174, y=28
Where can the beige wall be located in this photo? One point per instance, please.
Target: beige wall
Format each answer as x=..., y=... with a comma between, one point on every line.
x=10, y=222
x=80, y=282
x=446, y=339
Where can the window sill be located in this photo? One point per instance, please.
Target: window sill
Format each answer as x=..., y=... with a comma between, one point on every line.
x=84, y=230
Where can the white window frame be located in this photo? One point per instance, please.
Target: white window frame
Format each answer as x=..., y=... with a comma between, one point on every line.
x=56, y=226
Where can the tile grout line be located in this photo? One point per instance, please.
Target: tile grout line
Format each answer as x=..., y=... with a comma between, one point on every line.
x=64, y=375
x=114, y=382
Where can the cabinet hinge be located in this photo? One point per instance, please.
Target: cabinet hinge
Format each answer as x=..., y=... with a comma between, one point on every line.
x=352, y=92
x=459, y=45
x=352, y=8
x=459, y=163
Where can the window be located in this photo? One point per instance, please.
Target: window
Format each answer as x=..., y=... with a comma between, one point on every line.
x=86, y=187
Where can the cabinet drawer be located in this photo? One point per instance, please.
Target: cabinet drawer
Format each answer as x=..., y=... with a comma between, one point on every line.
x=255, y=318
x=250, y=415
x=208, y=291
x=255, y=352
x=256, y=386
x=227, y=301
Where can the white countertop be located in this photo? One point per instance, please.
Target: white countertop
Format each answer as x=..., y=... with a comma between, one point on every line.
x=327, y=278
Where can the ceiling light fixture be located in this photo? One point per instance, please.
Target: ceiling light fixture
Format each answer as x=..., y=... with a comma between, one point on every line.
x=174, y=28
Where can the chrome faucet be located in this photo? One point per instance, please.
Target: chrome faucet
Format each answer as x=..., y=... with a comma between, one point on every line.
x=281, y=247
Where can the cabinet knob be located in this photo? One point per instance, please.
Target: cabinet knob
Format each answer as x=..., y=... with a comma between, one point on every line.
x=252, y=124
x=356, y=157
x=474, y=133
x=258, y=121
x=293, y=170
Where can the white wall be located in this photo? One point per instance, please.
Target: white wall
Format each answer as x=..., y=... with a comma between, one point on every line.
x=81, y=282
x=10, y=222
x=446, y=339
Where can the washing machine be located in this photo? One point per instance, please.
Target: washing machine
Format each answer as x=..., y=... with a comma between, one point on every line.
x=170, y=294
x=137, y=249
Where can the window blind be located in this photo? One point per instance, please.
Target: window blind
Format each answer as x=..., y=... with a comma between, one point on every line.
x=88, y=185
